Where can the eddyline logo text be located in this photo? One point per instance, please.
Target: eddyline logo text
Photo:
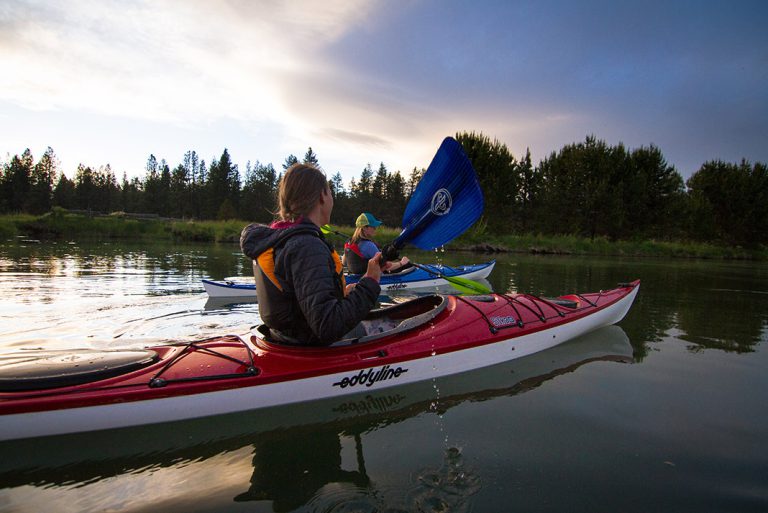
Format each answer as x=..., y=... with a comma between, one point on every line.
x=370, y=376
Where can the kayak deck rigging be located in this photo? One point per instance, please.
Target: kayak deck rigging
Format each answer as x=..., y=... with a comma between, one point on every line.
x=250, y=368
x=165, y=358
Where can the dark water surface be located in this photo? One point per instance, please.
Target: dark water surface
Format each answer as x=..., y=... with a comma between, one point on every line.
x=665, y=412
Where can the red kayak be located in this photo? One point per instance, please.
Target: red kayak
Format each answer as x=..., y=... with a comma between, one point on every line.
x=54, y=392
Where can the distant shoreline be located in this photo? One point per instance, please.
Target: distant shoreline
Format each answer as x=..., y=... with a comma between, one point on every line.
x=74, y=226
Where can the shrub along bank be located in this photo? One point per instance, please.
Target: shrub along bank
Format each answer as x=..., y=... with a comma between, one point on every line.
x=61, y=224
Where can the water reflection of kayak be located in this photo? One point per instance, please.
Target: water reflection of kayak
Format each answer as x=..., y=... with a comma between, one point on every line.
x=86, y=457
x=426, y=276
x=51, y=392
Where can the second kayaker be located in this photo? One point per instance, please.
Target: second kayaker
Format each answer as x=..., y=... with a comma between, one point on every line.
x=361, y=248
x=300, y=286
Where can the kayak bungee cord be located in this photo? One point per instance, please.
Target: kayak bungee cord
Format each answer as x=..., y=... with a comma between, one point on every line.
x=532, y=299
x=511, y=301
x=587, y=300
x=491, y=326
x=250, y=367
x=546, y=302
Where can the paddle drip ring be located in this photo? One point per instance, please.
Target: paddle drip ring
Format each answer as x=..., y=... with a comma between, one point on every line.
x=441, y=202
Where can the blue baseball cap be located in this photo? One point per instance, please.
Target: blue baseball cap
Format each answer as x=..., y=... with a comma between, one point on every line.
x=367, y=219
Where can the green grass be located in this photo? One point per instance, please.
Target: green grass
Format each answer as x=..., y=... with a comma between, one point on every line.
x=62, y=224
x=601, y=246
x=9, y=224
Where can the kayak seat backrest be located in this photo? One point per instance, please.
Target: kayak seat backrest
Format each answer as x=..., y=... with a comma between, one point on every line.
x=401, y=272
x=385, y=322
x=38, y=370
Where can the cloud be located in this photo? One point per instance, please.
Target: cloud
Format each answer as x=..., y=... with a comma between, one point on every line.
x=354, y=137
x=365, y=81
x=179, y=61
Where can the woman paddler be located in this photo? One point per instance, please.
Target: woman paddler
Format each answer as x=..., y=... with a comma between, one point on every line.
x=361, y=247
x=299, y=281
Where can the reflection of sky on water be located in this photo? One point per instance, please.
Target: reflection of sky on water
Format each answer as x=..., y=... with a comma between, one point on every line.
x=216, y=481
x=110, y=295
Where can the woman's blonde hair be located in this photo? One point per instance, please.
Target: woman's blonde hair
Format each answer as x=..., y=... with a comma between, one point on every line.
x=300, y=189
x=358, y=234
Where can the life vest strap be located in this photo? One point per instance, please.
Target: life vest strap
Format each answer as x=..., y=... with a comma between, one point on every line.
x=352, y=246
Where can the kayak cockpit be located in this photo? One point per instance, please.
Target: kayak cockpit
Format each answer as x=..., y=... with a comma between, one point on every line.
x=380, y=323
x=399, y=318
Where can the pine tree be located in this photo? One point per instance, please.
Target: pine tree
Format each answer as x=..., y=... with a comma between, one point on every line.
x=497, y=172
x=106, y=190
x=17, y=181
x=258, y=196
x=179, y=206
x=223, y=185
x=337, y=185
x=413, y=180
x=42, y=180
x=86, y=193
x=64, y=193
x=311, y=158
x=528, y=193
x=379, y=185
x=365, y=184
x=152, y=192
x=289, y=161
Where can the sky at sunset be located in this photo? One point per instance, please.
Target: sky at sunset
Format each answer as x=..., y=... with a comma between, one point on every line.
x=111, y=82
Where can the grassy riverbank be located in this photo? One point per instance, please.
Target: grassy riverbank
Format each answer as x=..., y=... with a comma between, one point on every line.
x=68, y=226
x=601, y=246
x=63, y=225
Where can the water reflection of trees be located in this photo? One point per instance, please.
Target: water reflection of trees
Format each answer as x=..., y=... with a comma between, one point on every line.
x=153, y=260
x=715, y=305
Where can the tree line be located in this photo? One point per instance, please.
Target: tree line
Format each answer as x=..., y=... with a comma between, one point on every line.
x=589, y=189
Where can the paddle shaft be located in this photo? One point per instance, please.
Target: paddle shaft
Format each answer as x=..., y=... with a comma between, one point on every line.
x=463, y=284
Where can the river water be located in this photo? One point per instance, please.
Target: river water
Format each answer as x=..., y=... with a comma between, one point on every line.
x=664, y=412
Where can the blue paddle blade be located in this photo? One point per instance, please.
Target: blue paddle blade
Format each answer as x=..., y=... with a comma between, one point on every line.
x=446, y=202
